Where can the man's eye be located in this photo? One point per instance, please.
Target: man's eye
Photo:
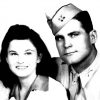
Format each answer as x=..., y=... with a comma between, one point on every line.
x=59, y=38
x=72, y=35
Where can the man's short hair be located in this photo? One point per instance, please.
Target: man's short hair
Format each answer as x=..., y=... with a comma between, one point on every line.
x=85, y=20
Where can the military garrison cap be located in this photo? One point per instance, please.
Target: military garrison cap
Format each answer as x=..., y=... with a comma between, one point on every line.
x=62, y=16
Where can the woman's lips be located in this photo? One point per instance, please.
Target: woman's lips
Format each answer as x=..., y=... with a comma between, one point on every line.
x=21, y=67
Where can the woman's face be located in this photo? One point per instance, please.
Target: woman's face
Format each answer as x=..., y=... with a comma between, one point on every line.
x=22, y=57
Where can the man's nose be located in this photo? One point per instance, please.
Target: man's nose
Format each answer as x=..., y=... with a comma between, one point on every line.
x=67, y=43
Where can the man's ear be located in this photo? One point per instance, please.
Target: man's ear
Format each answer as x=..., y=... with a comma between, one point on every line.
x=93, y=36
x=39, y=58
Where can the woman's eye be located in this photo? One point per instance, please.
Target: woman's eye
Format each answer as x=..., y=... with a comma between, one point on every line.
x=13, y=53
x=28, y=53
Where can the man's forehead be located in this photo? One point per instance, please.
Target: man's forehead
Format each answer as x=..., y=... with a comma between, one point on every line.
x=71, y=26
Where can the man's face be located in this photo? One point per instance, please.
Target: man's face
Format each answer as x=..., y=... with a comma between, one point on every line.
x=73, y=42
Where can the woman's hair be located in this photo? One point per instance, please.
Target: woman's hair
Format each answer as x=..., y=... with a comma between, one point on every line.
x=21, y=32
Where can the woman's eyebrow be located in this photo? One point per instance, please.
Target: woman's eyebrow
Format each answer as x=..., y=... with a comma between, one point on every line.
x=29, y=50
x=11, y=51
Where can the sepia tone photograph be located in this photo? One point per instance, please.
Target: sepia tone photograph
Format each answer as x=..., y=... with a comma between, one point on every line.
x=49, y=50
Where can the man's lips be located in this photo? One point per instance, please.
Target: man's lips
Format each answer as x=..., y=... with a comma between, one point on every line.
x=70, y=53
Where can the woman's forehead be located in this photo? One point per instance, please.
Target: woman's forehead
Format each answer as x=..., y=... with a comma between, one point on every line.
x=21, y=44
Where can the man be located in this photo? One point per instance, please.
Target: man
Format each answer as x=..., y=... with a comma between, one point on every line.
x=75, y=40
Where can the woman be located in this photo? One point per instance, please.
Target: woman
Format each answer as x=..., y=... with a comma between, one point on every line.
x=26, y=62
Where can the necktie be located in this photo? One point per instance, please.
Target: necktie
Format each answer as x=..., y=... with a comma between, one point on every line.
x=75, y=88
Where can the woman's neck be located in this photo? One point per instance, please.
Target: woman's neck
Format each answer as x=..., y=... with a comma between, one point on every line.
x=26, y=82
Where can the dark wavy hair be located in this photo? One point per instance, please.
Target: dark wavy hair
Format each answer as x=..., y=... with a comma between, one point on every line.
x=85, y=19
x=21, y=32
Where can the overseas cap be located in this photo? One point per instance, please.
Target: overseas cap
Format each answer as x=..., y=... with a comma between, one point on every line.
x=62, y=16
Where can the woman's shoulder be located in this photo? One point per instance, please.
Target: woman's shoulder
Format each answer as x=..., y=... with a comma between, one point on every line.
x=57, y=89
x=54, y=83
x=4, y=92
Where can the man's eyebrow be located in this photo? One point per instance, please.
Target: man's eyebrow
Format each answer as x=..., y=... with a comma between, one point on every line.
x=73, y=32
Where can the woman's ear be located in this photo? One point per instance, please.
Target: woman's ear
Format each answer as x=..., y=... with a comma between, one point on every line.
x=93, y=36
x=6, y=59
x=39, y=58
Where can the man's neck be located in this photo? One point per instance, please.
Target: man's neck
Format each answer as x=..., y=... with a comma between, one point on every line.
x=86, y=62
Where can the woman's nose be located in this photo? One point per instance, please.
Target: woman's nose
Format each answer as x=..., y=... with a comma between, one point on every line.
x=20, y=60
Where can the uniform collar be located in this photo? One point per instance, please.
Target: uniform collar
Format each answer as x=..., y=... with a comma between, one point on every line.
x=87, y=74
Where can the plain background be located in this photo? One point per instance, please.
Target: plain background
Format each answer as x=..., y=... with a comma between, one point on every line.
x=33, y=13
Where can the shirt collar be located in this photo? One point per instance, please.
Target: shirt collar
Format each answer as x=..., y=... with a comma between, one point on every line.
x=89, y=72
x=41, y=83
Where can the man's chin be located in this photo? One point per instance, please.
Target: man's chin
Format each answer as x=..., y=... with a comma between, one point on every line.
x=68, y=61
x=65, y=60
